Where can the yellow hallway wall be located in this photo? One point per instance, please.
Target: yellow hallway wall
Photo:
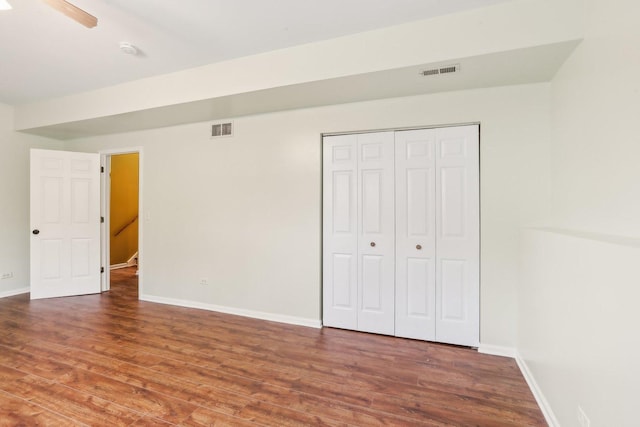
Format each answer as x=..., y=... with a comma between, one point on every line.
x=124, y=207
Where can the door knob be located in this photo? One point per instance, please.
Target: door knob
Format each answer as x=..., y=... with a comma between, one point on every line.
x=373, y=244
x=418, y=247
x=36, y=231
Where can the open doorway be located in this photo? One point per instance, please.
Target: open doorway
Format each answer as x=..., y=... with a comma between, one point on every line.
x=123, y=214
x=121, y=209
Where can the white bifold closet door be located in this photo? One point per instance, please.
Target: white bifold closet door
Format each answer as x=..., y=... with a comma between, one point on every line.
x=416, y=234
x=401, y=233
x=359, y=232
x=458, y=235
x=438, y=234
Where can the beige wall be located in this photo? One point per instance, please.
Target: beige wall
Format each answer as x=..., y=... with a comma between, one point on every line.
x=14, y=202
x=124, y=207
x=578, y=324
x=245, y=213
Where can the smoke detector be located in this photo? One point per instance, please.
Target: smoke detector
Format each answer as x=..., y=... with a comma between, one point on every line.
x=128, y=49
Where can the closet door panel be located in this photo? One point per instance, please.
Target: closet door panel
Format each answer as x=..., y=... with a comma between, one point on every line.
x=419, y=301
x=372, y=283
x=341, y=284
x=415, y=234
x=340, y=232
x=458, y=235
x=376, y=233
x=453, y=280
x=453, y=185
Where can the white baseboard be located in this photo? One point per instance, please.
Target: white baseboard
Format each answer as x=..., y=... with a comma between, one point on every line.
x=133, y=260
x=14, y=292
x=537, y=393
x=291, y=320
x=497, y=350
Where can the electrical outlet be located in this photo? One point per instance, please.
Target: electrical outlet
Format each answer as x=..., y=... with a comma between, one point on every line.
x=583, y=420
x=8, y=275
x=204, y=282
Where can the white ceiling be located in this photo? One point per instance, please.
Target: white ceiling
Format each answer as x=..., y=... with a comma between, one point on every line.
x=44, y=54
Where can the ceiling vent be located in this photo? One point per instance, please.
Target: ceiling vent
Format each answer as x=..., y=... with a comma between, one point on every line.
x=222, y=129
x=447, y=69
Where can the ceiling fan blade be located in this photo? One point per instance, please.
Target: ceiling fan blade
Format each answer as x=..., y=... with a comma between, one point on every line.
x=74, y=12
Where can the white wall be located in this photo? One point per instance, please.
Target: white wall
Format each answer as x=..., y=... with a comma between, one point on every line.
x=14, y=202
x=578, y=321
x=245, y=212
x=596, y=109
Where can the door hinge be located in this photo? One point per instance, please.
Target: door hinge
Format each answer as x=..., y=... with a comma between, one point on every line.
x=101, y=220
x=101, y=169
x=101, y=269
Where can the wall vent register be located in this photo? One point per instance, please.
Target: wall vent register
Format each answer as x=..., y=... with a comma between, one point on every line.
x=448, y=69
x=221, y=129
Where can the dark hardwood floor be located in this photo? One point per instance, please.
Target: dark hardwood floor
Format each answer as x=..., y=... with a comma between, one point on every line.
x=111, y=360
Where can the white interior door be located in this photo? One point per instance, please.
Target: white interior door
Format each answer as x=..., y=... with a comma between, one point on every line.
x=340, y=232
x=376, y=237
x=458, y=235
x=416, y=234
x=65, y=223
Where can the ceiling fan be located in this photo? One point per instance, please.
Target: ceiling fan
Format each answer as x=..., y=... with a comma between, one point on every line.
x=73, y=12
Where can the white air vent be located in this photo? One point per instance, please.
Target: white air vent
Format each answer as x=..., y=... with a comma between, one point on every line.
x=447, y=69
x=221, y=129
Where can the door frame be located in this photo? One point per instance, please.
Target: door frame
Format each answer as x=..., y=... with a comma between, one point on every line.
x=105, y=209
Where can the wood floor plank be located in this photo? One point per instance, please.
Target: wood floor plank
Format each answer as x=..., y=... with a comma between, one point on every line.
x=73, y=404
x=111, y=359
x=139, y=399
x=25, y=362
x=9, y=375
x=151, y=422
x=19, y=412
x=263, y=413
x=202, y=417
